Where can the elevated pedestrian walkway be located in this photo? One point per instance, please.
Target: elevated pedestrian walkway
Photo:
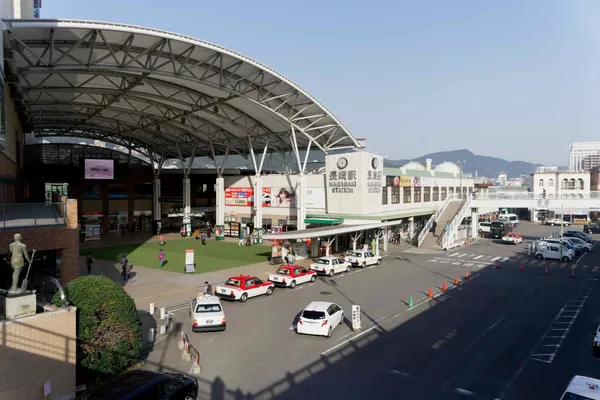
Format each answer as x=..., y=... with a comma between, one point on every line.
x=446, y=216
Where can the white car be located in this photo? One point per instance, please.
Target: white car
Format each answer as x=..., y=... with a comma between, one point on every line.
x=241, y=287
x=485, y=227
x=206, y=314
x=330, y=265
x=320, y=318
x=557, y=221
x=512, y=237
x=553, y=251
x=585, y=246
x=362, y=258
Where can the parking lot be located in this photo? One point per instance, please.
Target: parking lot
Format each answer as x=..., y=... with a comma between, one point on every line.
x=499, y=334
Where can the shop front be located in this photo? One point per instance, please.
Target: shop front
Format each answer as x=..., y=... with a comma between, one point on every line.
x=117, y=221
x=142, y=221
x=91, y=223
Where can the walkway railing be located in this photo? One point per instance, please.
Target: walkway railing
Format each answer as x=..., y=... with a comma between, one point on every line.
x=26, y=215
x=445, y=240
x=536, y=196
x=434, y=217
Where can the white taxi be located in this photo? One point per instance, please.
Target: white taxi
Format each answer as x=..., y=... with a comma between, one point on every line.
x=320, y=318
x=362, y=258
x=206, y=314
x=330, y=265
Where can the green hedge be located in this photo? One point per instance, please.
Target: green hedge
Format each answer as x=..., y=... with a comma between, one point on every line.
x=108, y=328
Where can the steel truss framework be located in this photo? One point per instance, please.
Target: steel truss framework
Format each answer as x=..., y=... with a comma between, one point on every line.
x=162, y=94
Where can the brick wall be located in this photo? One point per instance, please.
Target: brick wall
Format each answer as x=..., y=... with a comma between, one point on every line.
x=35, y=350
x=62, y=238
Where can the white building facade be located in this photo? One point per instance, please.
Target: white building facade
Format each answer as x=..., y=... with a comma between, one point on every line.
x=561, y=184
x=580, y=150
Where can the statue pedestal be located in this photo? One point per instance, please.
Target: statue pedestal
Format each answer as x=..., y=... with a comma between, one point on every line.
x=17, y=305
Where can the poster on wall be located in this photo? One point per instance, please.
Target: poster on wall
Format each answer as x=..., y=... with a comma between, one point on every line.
x=404, y=181
x=315, y=198
x=99, y=169
x=283, y=197
x=244, y=197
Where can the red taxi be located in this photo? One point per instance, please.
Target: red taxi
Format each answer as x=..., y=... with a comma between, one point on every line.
x=241, y=287
x=292, y=275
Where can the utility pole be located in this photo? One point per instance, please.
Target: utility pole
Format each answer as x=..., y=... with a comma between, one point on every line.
x=460, y=165
x=562, y=230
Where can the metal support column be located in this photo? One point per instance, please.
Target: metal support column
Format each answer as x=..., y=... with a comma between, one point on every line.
x=187, y=206
x=156, y=205
x=219, y=193
x=257, y=190
x=474, y=223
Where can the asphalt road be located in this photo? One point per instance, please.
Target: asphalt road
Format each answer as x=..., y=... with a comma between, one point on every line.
x=477, y=340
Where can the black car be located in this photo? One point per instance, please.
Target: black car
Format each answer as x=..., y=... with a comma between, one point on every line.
x=147, y=385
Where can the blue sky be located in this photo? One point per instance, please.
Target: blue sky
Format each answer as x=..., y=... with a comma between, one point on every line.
x=513, y=79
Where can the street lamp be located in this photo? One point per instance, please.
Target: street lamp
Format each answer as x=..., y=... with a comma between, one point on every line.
x=461, y=165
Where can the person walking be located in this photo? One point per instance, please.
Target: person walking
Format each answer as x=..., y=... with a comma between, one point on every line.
x=124, y=272
x=161, y=257
x=162, y=240
x=433, y=227
x=241, y=238
x=203, y=237
x=208, y=288
x=88, y=262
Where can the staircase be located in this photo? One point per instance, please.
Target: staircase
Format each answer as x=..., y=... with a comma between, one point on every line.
x=446, y=217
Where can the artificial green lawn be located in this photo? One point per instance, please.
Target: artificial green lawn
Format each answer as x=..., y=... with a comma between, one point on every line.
x=215, y=256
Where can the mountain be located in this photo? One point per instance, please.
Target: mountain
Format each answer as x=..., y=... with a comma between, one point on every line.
x=484, y=166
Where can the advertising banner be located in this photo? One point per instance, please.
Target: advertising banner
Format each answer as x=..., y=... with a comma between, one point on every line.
x=189, y=261
x=244, y=197
x=283, y=197
x=99, y=169
x=315, y=198
x=404, y=181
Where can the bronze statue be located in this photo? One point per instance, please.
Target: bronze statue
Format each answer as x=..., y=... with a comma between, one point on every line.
x=18, y=254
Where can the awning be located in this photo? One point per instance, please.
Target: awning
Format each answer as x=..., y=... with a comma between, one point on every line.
x=324, y=221
x=328, y=231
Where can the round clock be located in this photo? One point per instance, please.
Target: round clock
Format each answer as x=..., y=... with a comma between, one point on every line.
x=375, y=163
x=342, y=163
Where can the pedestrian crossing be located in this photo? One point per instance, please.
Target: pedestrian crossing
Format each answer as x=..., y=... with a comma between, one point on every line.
x=466, y=259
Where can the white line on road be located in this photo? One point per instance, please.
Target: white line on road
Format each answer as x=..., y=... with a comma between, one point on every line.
x=463, y=255
x=212, y=338
x=291, y=328
x=454, y=255
x=492, y=326
x=505, y=259
x=579, y=259
x=495, y=258
x=478, y=257
x=450, y=259
x=464, y=392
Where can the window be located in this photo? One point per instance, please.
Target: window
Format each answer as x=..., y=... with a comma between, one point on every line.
x=427, y=194
x=417, y=195
x=470, y=190
x=384, y=195
x=267, y=222
x=551, y=182
x=541, y=183
x=395, y=194
x=406, y=191
x=457, y=190
x=168, y=387
x=208, y=308
x=451, y=190
x=572, y=184
x=282, y=222
x=563, y=184
x=579, y=184
x=246, y=220
x=444, y=193
x=436, y=194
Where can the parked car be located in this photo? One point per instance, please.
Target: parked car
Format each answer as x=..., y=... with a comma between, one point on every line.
x=596, y=344
x=135, y=385
x=585, y=246
x=206, y=314
x=512, y=238
x=361, y=258
x=320, y=318
x=557, y=221
x=553, y=251
x=330, y=265
x=242, y=287
x=485, y=228
x=579, y=234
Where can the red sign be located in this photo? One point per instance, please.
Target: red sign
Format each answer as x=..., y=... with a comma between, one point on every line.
x=244, y=197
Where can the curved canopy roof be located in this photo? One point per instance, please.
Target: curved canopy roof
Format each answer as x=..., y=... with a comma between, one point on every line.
x=157, y=91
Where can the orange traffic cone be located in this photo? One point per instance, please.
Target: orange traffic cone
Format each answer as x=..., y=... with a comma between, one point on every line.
x=573, y=273
x=456, y=280
x=467, y=275
x=430, y=295
x=444, y=287
x=546, y=270
x=522, y=268
x=498, y=265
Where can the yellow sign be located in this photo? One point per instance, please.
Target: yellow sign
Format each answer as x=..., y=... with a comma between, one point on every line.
x=403, y=181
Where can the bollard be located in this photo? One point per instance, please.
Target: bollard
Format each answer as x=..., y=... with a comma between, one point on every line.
x=152, y=309
x=410, y=302
x=186, y=351
x=181, y=344
x=151, y=335
x=162, y=313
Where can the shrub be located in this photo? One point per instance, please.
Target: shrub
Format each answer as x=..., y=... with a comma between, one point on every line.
x=108, y=328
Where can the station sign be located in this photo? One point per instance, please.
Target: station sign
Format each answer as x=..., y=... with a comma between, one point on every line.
x=355, y=317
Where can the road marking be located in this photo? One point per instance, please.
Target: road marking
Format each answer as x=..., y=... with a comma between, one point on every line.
x=464, y=392
x=165, y=293
x=492, y=326
x=212, y=338
x=495, y=258
x=454, y=255
x=377, y=324
x=533, y=262
x=291, y=328
x=446, y=261
x=463, y=255
x=478, y=257
x=505, y=259
x=563, y=265
x=583, y=255
x=585, y=266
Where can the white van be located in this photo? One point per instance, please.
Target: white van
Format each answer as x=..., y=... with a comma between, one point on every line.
x=552, y=251
x=512, y=218
x=582, y=388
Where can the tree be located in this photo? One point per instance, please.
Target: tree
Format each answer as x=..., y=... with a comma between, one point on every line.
x=108, y=328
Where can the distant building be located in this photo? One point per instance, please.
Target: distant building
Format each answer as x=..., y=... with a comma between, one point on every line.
x=590, y=162
x=546, y=169
x=561, y=184
x=502, y=178
x=580, y=150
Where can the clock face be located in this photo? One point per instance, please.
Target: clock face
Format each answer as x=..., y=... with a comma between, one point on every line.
x=342, y=163
x=375, y=163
